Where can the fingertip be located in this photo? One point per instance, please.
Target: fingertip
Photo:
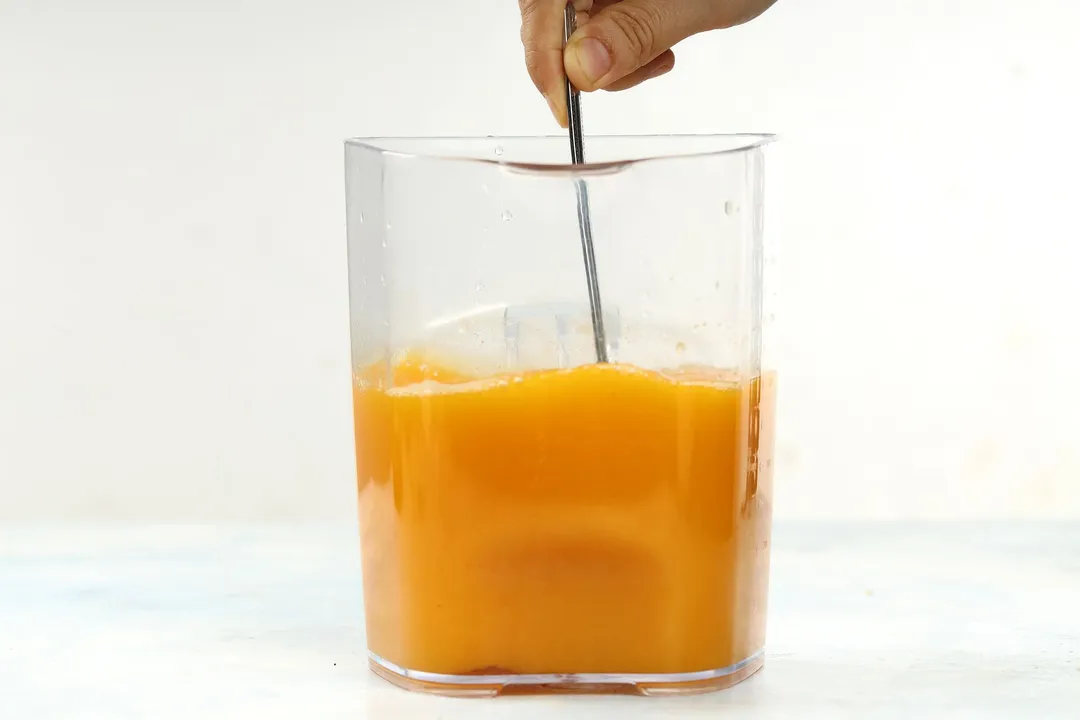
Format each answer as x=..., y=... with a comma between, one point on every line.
x=558, y=111
x=660, y=71
x=662, y=65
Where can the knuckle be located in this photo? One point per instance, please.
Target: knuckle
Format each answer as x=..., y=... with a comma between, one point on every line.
x=737, y=13
x=535, y=56
x=529, y=40
x=528, y=10
x=639, y=25
x=532, y=21
x=528, y=19
x=532, y=64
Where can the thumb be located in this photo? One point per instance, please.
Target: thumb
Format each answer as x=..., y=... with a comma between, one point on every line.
x=627, y=35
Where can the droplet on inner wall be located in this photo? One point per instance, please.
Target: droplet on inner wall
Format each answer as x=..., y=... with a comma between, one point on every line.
x=361, y=217
x=382, y=279
x=484, y=188
x=499, y=150
x=507, y=216
x=384, y=242
x=480, y=286
x=680, y=347
x=389, y=225
x=729, y=208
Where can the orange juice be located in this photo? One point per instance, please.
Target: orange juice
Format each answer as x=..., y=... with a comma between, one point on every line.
x=602, y=519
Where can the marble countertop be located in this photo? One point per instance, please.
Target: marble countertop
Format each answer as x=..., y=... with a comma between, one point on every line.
x=881, y=621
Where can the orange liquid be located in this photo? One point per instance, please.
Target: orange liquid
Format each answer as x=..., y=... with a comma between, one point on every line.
x=602, y=519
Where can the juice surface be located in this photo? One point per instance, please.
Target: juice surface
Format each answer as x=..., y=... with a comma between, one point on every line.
x=602, y=519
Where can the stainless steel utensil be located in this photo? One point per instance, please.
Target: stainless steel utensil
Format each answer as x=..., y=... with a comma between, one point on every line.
x=577, y=157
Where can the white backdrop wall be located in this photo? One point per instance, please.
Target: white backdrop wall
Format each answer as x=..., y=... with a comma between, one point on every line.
x=173, y=312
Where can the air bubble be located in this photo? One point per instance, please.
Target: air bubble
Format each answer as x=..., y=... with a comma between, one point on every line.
x=507, y=216
x=480, y=286
x=680, y=348
x=499, y=150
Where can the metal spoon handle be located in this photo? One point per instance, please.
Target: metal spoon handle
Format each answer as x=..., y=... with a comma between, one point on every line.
x=577, y=157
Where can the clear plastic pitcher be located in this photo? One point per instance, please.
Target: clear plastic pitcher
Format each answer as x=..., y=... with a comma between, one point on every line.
x=532, y=519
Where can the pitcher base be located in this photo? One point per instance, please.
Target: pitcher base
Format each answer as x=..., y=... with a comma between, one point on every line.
x=567, y=683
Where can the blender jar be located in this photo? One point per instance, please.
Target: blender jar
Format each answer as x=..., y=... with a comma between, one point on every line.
x=531, y=519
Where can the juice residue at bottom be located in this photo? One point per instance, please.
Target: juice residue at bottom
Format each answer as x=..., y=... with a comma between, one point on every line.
x=603, y=519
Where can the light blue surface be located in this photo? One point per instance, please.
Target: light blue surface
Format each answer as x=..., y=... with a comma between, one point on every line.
x=917, y=621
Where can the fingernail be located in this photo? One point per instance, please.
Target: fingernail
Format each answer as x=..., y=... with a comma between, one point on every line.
x=662, y=70
x=554, y=110
x=592, y=57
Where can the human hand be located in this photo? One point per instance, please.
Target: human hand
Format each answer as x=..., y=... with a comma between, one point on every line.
x=618, y=43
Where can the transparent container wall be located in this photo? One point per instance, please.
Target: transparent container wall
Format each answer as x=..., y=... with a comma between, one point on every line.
x=530, y=519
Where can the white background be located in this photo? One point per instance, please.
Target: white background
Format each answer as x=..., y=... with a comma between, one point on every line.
x=173, y=311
